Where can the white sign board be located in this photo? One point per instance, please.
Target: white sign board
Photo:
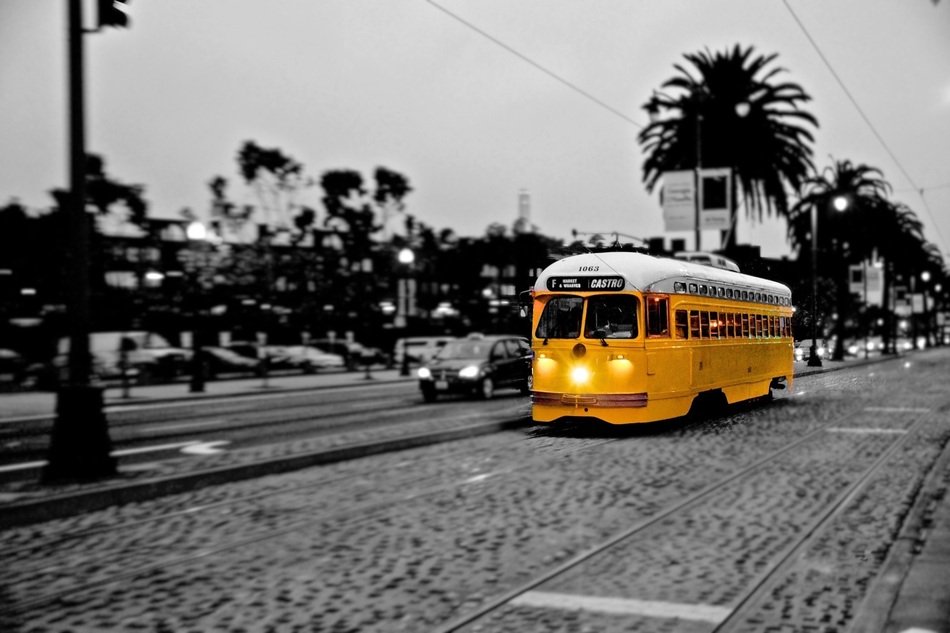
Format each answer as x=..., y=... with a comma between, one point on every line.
x=678, y=199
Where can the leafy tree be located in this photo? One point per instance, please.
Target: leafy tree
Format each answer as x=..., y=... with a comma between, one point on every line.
x=732, y=110
x=277, y=180
x=104, y=192
x=861, y=192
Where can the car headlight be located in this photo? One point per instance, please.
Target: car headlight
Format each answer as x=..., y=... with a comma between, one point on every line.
x=469, y=372
x=424, y=373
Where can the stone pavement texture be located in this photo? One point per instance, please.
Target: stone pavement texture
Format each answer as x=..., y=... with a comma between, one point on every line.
x=914, y=587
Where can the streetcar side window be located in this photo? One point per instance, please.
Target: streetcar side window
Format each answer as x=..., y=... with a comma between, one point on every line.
x=704, y=324
x=658, y=316
x=694, y=323
x=746, y=332
x=611, y=316
x=682, y=324
x=561, y=318
x=714, y=325
x=730, y=324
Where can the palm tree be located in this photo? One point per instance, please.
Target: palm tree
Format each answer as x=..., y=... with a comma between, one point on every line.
x=732, y=114
x=846, y=235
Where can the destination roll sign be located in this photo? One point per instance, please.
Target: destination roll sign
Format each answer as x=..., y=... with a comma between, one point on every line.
x=586, y=283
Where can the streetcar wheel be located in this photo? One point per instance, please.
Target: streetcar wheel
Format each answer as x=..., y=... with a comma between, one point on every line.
x=486, y=389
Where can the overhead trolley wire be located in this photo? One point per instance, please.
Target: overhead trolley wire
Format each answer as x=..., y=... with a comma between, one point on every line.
x=857, y=106
x=535, y=64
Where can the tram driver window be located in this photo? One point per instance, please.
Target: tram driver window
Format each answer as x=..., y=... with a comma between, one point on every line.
x=611, y=316
x=561, y=318
x=658, y=316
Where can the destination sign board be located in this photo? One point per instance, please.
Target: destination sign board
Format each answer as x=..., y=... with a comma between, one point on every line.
x=586, y=283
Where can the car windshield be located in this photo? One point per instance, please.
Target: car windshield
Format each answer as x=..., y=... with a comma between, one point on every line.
x=454, y=350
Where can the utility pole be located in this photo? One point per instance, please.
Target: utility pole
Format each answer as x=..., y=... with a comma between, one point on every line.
x=80, y=447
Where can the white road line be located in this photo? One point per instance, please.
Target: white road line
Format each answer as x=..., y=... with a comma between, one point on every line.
x=202, y=448
x=13, y=467
x=866, y=430
x=623, y=606
x=898, y=409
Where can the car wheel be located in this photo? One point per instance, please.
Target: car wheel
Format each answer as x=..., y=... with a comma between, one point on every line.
x=486, y=388
x=428, y=393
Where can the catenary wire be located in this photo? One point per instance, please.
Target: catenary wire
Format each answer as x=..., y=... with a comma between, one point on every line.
x=857, y=106
x=535, y=64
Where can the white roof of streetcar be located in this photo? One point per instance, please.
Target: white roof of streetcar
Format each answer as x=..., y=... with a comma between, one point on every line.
x=646, y=273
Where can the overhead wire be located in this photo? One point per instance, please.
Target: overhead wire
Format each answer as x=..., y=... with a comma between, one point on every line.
x=857, y=106
x=528, y=60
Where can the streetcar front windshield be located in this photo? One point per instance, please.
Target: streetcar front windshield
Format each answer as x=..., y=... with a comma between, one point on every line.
x=611, y=316
x=561, y=318
x=608, y=316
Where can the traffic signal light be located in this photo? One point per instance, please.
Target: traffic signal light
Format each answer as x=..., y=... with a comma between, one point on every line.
x=113, y=13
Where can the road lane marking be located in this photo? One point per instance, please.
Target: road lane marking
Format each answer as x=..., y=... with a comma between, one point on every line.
x=25, y=465
x=196, y=448
x=898, y=409
x=866, y=430
x=623, y=606
x=205, y=448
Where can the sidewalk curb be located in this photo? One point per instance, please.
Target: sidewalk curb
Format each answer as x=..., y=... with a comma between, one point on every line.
x=68, y=504
x=895, y=600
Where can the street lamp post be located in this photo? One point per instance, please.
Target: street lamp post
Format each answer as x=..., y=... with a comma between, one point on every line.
x=197, y=234
x=925, y=277
x=406, y=257
x=840, y=203
x=79, y=447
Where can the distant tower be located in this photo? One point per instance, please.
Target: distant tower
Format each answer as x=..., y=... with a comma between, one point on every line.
x=523, y=223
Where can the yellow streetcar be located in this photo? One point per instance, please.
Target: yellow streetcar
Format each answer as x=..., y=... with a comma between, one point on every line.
x=625, y=337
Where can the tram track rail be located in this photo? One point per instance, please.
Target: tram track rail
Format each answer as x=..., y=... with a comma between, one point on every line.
x=103, y=496
x=751, y=595
x=361, y=512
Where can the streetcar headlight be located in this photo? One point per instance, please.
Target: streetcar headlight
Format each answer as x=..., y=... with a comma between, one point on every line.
x=424, y=373
x=469, y=372
x=580, y=375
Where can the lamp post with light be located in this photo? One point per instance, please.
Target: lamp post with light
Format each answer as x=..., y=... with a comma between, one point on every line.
x=197, y=235
x=406, y=257
x=839, y=203
x=925, y=277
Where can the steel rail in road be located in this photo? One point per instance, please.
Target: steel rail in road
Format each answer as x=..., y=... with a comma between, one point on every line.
x=77, y=502
x=361, y=512
x=760, y=585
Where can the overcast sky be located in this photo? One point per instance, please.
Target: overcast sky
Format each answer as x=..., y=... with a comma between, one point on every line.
x=353, y=84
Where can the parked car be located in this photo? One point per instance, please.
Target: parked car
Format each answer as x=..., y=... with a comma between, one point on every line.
x=12, y=368
x=143, y=356
x=354, y=354
x=478, y=365
x=221, y=360
x=420, y=349
x=803, y=349
x=307, y=358
x=276, y=358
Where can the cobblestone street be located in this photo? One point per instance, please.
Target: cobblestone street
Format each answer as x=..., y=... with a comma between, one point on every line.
x=416, y=540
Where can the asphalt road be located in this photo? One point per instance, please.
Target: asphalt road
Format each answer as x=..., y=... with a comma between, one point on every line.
x=776, y=516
